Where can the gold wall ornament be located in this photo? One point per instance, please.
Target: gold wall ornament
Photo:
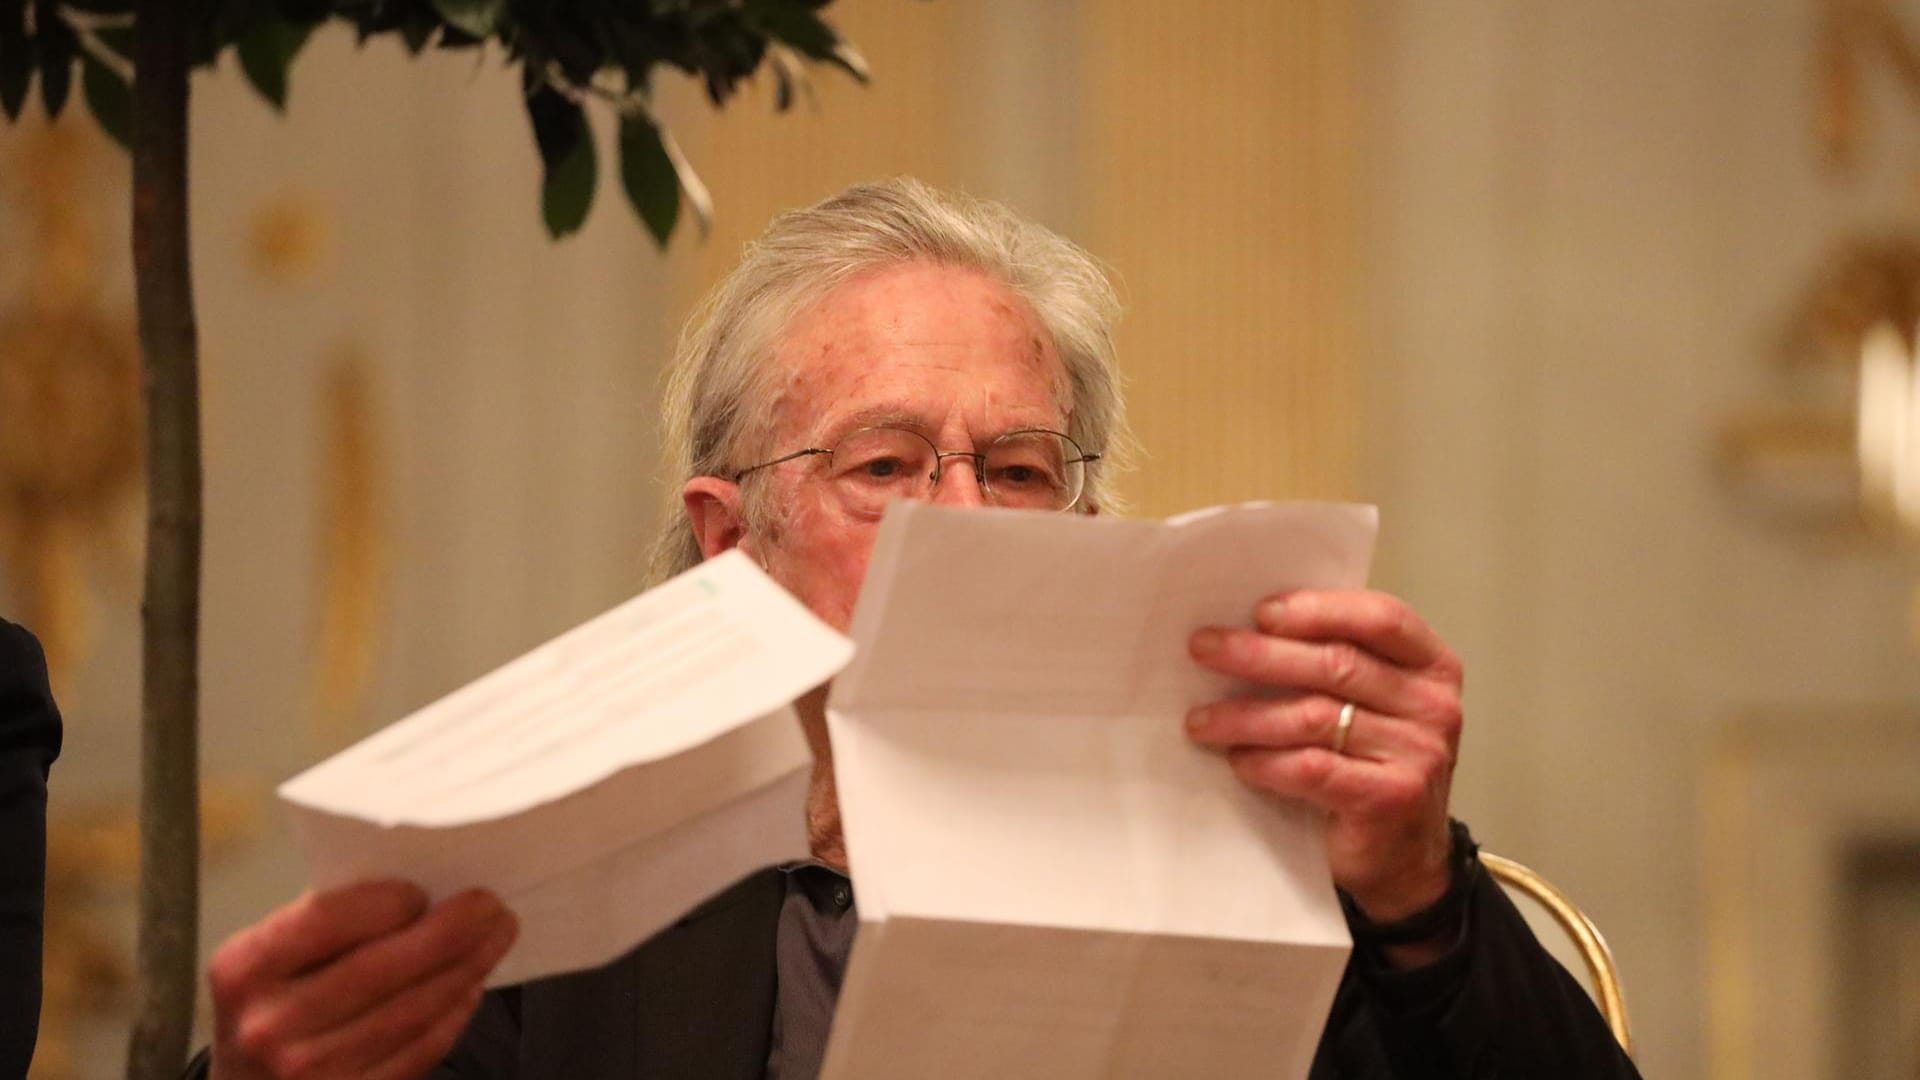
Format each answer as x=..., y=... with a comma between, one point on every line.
x=1863, y=281
x=1839, y=447
x=91, y=860
x=1786, y=797
x=1851, y=38
x=55, y=165
x=1838, y=450
x=1861, y=314
x=1837, y=113
x=70, y=449
x=92, y=871
x=1888, y=429
x=290, y=239
x=70, y=410
x=354, y=557
x=1792, y=465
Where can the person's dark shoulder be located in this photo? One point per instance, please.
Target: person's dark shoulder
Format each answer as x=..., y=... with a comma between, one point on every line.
x=29, y=740
x=29, y=722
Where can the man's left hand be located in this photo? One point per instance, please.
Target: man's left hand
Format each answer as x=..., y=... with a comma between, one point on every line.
x=1385, y=792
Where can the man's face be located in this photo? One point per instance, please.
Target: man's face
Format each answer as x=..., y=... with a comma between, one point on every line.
x=948, y=352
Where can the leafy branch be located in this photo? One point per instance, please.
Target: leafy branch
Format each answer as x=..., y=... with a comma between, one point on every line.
x=573, y=55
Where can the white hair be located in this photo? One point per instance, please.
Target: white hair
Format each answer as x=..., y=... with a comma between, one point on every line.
x=719, y=390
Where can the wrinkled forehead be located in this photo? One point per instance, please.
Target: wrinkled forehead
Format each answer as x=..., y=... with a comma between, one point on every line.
x=915, y=346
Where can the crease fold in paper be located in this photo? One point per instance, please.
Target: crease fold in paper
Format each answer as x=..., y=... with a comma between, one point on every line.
x=1053, y=880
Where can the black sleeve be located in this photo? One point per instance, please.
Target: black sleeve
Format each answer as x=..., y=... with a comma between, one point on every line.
x=487, y=1051
x=1497, y=1004
x=29, y=741
x=490, y=1047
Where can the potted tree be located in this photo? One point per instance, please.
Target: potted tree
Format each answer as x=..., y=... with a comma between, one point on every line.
x=131, y=60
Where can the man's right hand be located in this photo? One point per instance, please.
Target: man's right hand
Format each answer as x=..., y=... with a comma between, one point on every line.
x=363, y=981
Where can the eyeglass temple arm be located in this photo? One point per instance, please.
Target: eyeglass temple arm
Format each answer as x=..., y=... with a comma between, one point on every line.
x=779, y=461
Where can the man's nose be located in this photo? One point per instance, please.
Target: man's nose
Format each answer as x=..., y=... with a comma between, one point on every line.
x=960, y=482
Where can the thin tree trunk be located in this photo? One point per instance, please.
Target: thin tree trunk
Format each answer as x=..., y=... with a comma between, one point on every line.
x=170, y=609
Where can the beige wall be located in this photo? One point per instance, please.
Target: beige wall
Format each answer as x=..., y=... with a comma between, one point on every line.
x=1219, y=159
x=1590, y=220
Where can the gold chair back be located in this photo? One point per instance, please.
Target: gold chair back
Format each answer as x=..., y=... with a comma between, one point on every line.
x=1586, y=937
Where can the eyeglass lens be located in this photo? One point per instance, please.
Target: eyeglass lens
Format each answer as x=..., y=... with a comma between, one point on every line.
x=1035, y=470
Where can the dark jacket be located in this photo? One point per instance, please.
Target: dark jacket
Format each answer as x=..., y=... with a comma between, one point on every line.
x=29, y=741
x=696, y=1003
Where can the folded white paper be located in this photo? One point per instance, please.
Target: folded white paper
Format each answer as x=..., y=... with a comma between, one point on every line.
x=603, y=783
x=1053, y=880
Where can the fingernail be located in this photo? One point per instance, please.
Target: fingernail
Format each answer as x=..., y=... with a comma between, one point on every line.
x=1209, y=642
x=1197, y=717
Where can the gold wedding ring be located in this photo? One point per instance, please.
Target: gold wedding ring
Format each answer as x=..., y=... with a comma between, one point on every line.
x=1344, y=728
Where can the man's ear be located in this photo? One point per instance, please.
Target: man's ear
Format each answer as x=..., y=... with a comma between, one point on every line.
x=714, y=507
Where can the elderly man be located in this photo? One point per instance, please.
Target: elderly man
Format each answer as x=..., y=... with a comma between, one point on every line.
x=896, y=342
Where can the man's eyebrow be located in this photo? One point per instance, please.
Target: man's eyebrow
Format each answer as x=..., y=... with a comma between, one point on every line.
x=889, y=416
x=875, y=416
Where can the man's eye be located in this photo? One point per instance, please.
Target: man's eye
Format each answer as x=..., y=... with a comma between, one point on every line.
x=1019, y=476
x=880, y=468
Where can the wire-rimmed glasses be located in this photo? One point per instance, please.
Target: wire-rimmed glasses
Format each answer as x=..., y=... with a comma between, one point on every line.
x=1028, y=469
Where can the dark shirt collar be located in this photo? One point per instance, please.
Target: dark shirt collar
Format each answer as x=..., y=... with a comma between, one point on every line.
x=828, y=891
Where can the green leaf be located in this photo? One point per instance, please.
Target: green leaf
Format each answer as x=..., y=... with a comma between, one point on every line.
x=266, y=52
x=647, y=174
x=16, y=65
x=793, y=24
x=475, y=17
x=567, y=154
x=56, y=75
x=557, y=122
x=567, y=194
x=418, y=30
x=119, y=39
x=110, y=100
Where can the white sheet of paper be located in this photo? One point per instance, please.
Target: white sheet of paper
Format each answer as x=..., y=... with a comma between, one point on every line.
x=1053, y=881
x=602, y=784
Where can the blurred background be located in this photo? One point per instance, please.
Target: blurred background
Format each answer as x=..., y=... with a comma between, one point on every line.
x=1610, y=307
